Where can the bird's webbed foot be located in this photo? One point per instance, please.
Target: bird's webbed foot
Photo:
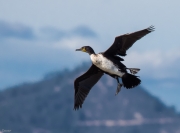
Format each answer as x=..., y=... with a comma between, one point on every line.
x=118, y=86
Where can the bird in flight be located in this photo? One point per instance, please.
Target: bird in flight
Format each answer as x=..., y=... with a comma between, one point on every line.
x=109, y=62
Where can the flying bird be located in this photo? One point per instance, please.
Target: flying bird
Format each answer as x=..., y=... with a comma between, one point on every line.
x=109, y=62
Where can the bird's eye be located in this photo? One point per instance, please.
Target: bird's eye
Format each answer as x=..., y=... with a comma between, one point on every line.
x=84, y=49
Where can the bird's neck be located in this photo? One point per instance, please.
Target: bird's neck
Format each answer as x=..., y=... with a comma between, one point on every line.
x=91, y=52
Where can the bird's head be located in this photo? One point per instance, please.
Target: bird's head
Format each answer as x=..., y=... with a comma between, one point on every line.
x=86, y=49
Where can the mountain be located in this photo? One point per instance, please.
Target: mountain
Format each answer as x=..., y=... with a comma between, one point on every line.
x=47, y=107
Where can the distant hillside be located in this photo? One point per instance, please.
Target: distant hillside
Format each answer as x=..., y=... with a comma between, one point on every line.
x=47, y=107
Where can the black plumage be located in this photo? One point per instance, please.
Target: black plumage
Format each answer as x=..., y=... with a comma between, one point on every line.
x=124, y=42
x=85, y=82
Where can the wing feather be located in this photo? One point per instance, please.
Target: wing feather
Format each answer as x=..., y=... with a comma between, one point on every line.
x=124, y=42
x=84, y=83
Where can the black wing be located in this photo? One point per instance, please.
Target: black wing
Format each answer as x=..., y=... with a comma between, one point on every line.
x=84, y=83
x=124, y=42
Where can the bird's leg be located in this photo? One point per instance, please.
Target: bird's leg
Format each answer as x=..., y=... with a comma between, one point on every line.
x=118, y=86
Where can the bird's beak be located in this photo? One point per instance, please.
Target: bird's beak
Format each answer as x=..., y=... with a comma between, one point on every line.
x=79, y=49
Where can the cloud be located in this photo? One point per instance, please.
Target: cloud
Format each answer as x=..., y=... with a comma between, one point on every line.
x=23, y=58
x=8, y=30
x=43, y=56
x=75, y=42
x=156, y=64
x=159, y=73
x=20, y=31
x=55, y=34
x=52, y=34
x=84, y=31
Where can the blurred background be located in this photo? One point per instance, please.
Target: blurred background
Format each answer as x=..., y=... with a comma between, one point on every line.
x=38, y=65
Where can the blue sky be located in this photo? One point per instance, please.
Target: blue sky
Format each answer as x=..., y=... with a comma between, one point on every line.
x=37, y=36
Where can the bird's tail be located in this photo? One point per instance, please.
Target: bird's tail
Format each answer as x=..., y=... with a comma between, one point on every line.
x=134, y=70
x=130, y=81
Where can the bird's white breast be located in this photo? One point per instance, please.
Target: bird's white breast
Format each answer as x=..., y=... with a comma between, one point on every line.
x=104, y=64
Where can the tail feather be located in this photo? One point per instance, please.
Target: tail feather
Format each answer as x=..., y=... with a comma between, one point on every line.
x=134, y=70
x=130, y=81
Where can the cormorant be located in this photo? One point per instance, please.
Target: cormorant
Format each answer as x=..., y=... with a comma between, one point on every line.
x=109, y=63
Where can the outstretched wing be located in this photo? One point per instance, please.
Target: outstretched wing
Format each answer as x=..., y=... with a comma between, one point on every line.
x=84, y=83
x=124, y=42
